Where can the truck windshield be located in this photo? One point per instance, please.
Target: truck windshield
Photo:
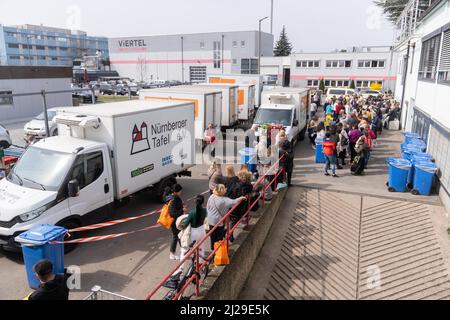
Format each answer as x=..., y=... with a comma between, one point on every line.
x=41, y=169
x=274, y=116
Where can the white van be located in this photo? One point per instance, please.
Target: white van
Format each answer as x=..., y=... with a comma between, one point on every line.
x=337, y=92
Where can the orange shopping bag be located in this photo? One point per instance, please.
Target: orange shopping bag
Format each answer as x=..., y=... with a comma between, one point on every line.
x=221, y=258
x=165, y=219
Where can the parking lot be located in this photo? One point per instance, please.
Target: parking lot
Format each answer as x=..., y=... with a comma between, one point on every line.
x=130, y=265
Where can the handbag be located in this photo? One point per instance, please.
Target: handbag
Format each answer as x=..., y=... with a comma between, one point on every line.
x=221, y=258
x=165, y=219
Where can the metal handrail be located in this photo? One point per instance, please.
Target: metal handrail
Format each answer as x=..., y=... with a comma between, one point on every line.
x=196, y=248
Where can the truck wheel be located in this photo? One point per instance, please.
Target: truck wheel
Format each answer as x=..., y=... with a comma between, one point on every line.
x=160, y=187
x=301, y=135
x=70, y=224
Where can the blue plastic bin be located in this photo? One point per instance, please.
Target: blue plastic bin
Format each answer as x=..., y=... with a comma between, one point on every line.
x=398, y=175
x=424, y=177
x=410, y=135
x=416, y=160
x=249, y=157
x=36, y=247
x=320, y=157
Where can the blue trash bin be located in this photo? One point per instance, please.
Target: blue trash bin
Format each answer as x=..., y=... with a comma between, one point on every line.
x=250, y=158
x=424, y=178
x=416, y=159
x=320, y=157
x=410, y=135
x=398, y=175
x=36, y=246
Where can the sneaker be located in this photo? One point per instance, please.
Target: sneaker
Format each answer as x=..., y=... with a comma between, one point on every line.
x=335, y=176
x=327, y=174
x=174, y=257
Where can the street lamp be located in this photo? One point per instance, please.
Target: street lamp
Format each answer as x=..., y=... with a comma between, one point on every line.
x=259, y=45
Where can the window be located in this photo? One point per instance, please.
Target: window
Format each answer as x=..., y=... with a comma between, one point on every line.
x=217, y=55
x=11, y=34
x=249, y=66
x=313, y=83
x=41, y=57
x=197, y=74
x=338, y=63
x=61, y=39
x=52, y=38
x=51, y=48
x=234, y=44
x=202, y=45
x=243, y=44
x=54, y=59
x=26, y=46
x=6, y=98
x=13, y=46
x=40, y=48
x=444, y=66
x=234, y=61
x=87, y=169
x=429, y=58
x=371, y=63
x=308, y=63
x=14, y=57
x=62, y=49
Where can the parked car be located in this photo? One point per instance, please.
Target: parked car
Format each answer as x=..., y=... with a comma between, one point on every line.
x=337, y=92
x=36, y=127
x=121, y=90
x=5, y=138
x=106, y=88
x=368, y=93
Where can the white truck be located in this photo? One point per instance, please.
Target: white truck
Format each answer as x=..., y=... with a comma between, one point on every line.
x=103, y=154
x=229, y=103
x=240, y=79
x=246, y=103
x=287, y=107
x=207, y=101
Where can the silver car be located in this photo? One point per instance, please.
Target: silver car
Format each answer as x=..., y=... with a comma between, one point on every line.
x=36, y=127
x=5, y=139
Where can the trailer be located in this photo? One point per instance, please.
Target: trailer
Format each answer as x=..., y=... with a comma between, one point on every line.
x=246, y=103
x=103, y=154
x=229, y=103
x=207, y=101
x=240, y=79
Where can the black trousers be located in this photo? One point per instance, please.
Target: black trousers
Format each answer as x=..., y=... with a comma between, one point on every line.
x=352, y=152
x=217, y=235
x=175, y=239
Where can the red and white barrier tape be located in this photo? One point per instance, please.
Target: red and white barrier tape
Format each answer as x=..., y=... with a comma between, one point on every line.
x=106, y=237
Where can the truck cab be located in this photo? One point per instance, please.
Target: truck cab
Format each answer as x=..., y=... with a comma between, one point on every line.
x=37, y=189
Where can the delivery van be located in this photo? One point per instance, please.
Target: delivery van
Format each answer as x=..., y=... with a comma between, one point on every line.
x=287, y=107
x=103, y=154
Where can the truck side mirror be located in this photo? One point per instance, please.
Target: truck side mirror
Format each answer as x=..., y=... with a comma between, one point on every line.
x=74, y=188
x=295, y=123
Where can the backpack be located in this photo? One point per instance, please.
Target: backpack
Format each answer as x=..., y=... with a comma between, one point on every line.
x=182, y=222
x=165, y=219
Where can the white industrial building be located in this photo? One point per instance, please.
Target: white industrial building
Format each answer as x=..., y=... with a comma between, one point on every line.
x=24, y=79
x=363, y=65
x=423, y=80
x=188, y=57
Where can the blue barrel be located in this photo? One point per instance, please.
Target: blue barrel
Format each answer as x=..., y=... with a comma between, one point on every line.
x=320, y=157
x=36, y=247
x=249, y=157
x=424, y=177
x=416, y=159
x=418, y=143
x=398, y=174
x=410, y=135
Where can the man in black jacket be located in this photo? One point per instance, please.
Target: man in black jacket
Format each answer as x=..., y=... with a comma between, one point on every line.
x=53, y=286
x=176, y=210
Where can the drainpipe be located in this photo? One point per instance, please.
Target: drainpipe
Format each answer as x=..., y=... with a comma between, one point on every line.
x=405, y=73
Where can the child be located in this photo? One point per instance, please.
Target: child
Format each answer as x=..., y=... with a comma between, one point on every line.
x=329, y=147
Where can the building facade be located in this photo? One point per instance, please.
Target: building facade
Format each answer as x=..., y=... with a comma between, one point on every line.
x=365, y=66
x=188, y=57
x=31, y=45
x=25, y=79
x=423, y=81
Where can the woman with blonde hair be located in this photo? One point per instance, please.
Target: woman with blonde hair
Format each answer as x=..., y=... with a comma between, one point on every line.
x=215, y=176
x=217, y=207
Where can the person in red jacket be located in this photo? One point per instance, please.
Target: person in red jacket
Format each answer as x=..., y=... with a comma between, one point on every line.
x=338, y=109
x=328, y=150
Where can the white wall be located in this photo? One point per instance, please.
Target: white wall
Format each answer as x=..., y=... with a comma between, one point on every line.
x=25, y=108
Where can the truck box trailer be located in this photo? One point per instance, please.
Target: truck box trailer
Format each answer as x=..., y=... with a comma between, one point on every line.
x=207, y=101
x=246, y=102
x=239, y=79
x=229, y=103
x=103, y=153
x=287, y=107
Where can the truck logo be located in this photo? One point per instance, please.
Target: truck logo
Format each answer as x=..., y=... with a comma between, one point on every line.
x=140, y=139
x=140, y=171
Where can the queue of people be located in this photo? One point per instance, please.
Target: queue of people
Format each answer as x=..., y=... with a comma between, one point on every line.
x=350, y=129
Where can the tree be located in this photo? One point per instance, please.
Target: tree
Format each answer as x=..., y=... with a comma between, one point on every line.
x=392, y=9
x=322, y=85
x=352, y=84
x=283, y=48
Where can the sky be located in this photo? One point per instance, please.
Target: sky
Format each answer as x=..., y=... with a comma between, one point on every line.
x=312, y=26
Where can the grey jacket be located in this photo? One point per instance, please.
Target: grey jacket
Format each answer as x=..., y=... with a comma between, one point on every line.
x=218, y=207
